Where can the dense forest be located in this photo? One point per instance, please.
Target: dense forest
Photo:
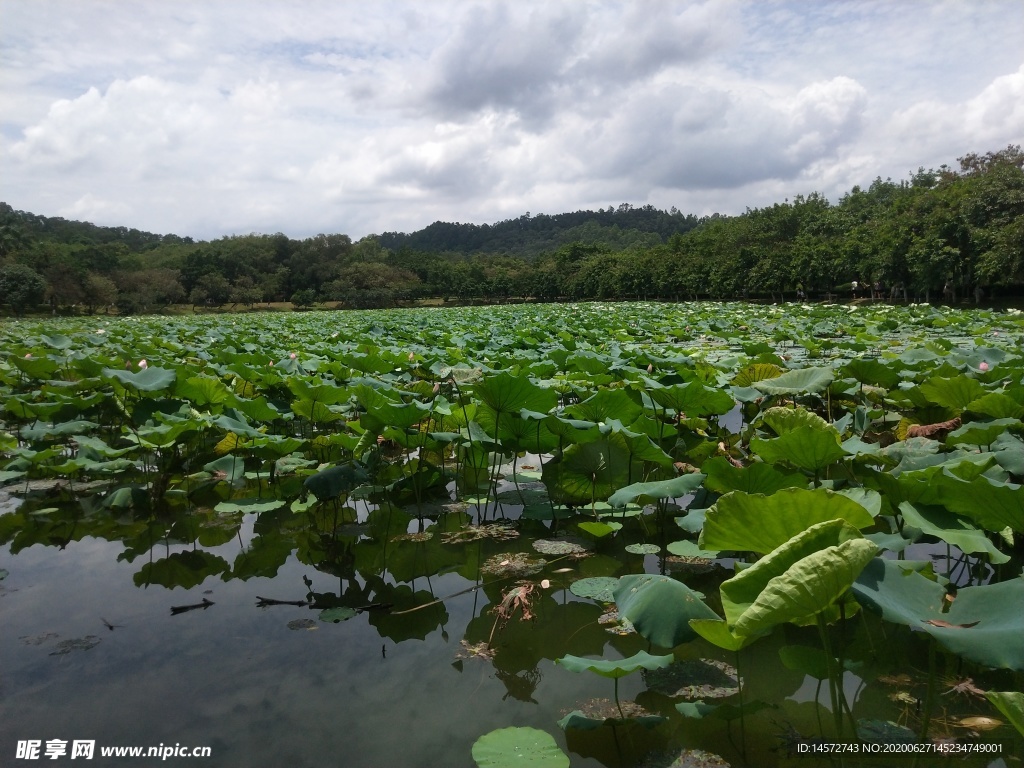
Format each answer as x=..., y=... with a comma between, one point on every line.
x=946, y=234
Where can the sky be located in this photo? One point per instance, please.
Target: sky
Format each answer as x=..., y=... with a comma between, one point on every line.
x=209, y=118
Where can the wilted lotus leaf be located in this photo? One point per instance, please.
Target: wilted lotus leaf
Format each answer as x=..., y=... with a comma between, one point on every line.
x=884, y=732
x=76, y=644
x=418, y=536
x=517, y=564
x=689, y=758
x=302, y=624
x=496, y=531
x=701, y=679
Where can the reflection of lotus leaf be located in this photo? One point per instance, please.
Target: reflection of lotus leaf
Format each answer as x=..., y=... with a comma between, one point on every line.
x=701, y=679
x=559, y=547
x=884, y=732
x=496, y=531
x=689, y=758
x=597, y=588
x=77, y=644
x=517, y=564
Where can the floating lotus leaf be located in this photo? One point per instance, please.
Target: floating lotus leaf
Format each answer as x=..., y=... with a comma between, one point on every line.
x=600, y=588
x=803, y=381
x=302, y=624
x=983, y=624
x=518, y=564
x=755, y=523
x=86, y=643
x=579, y=721
x=643, y=549
x=660, y=608
x=659, y=489
x=599, y=529
x=520, y=746
x=617, y=668
x=559, y=547
x=250, y=505
x=337, y=614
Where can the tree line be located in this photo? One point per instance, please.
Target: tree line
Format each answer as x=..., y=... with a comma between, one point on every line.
x=949, y=234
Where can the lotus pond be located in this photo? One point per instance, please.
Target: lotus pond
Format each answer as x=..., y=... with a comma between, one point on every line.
x=618, y=535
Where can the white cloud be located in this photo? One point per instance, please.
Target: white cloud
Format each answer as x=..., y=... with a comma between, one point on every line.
x=211, y=118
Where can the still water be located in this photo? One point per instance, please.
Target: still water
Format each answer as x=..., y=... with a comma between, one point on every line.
x=99, y=642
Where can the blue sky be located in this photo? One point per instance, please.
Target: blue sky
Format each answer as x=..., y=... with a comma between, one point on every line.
x=306, y=116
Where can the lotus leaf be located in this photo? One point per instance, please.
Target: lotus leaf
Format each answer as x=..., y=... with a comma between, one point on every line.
x=956, y=393
x=675, y=488
x=600, y=588
x=758, y=477
x=983, y=624
x=1011, y=704
x=803, y=381
x=151, y=379
x=660, y=608
x=519, y=746
x=951, y=528
x=808, y=448
x=693, y=399
x=614, y=669
x=579, y=721
x=751, y=522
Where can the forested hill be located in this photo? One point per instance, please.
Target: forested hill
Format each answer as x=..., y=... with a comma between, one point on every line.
x=943, y=234
x=531, y=236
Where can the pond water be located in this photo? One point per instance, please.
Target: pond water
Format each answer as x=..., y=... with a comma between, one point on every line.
x=96, y=647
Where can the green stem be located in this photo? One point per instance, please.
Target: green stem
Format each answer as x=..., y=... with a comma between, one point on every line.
x=929, y=700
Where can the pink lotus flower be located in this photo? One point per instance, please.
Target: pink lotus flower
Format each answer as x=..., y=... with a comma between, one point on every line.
x=291, y=356
x=982, y=366
x=271, y=363
x=143, y=364
x=28, y=355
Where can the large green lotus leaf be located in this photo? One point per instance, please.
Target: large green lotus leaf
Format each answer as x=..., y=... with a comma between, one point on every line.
x=204, y=390
x=385, y=412
x=519, y=746
x=983, y=624
x=809, y=587
x=740, y=592
x=758, y=477
x=717, y=632
x=573, y=430
x=507, y=393
x=993, y=505
x=151, y=379
x=952, y=529
x=1011, y=704
x=756, y=372
x=673, y=488
x=1009, y=453
x=693, y=399
x=235, y=422
x=660, y=608
x=872, y=372
x=317, y=412
x=803, y=381
x=41, y=368
x=805, y=447
x=981, y=433
x=591, y=472
x=600, y=588
x=49, y=431
x=57, y=341
x=615, y=669
x=997, y=406
x=956, y=393
x=744, y=522
x=784, y=420
x=606, y=404
x=639, y=445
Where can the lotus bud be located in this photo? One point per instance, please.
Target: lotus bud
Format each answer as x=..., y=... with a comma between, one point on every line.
x=412, y=357
x=28, y=355
x=291, y=356
x=545, y=584
x=437, y=387
x=650, y=367
x=982, y=366
x=143, y=364
x=271, y=363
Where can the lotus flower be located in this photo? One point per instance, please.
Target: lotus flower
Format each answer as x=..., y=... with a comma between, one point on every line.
x=143, y=364
x=982, y=366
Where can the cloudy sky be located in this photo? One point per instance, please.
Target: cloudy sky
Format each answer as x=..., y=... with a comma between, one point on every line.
x=217, y=117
